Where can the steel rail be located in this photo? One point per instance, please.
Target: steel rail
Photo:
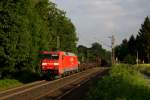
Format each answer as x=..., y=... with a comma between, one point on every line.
x=37, y=91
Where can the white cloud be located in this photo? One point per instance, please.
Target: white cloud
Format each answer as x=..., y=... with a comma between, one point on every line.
x=100, y=18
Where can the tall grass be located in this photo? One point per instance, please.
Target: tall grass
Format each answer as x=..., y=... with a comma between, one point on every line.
x=20, y=78
x=9, y=83
x=144, y=68
x=123, y=83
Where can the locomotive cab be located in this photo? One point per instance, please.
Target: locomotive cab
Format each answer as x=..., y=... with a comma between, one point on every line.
x=55, y=64
x=50, y=63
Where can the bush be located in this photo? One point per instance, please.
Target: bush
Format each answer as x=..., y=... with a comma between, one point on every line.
x=144, y=68
x=124, y=83
x=27, y=76
x=130, y=59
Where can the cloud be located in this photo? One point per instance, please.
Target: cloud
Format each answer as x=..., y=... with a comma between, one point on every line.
x=101, y=18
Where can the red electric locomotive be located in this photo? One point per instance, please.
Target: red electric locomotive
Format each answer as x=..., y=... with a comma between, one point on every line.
x=58, y=63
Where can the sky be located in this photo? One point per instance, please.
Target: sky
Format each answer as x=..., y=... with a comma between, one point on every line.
x=97, y=20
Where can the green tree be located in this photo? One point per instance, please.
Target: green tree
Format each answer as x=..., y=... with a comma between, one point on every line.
x=122, y=50
x=15, y=38
x=82, y=53
x=26, y=28
x=132, y=45
x=94, y=54
x=128, y=49
x=144, y=39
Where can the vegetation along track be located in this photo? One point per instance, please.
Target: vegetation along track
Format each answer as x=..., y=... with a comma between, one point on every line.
x=40, y=90
x=11, y=92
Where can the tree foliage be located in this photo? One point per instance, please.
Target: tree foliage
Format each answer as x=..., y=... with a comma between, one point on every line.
x=144, y=39
x=128, y=50
x=94, y=54
x=26, y=28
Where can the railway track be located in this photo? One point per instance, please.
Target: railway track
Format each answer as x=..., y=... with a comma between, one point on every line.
x=51, y=89
x=11, y=92
x=79, y=91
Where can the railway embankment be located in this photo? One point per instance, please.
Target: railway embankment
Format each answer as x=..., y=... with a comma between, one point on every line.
x=123, y=83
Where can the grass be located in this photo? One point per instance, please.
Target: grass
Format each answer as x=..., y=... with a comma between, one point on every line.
x=20, y=78
x=144, y=65
x=123, y=83
x=9, y=83
x=144, y=68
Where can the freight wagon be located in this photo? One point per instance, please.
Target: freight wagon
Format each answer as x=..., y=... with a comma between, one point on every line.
x=59, y=63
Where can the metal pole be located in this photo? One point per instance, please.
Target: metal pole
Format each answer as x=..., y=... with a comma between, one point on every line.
x=58, y=43
x=137, y=57
x=113, y=51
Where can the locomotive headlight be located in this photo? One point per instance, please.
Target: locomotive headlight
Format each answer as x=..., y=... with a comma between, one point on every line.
x=43, y=64
x=56, y=64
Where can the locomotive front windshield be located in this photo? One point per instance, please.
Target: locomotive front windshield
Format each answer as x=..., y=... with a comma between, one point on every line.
x=50, y=56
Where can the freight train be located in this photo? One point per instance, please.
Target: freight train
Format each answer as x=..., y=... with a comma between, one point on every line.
x=59, y=63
